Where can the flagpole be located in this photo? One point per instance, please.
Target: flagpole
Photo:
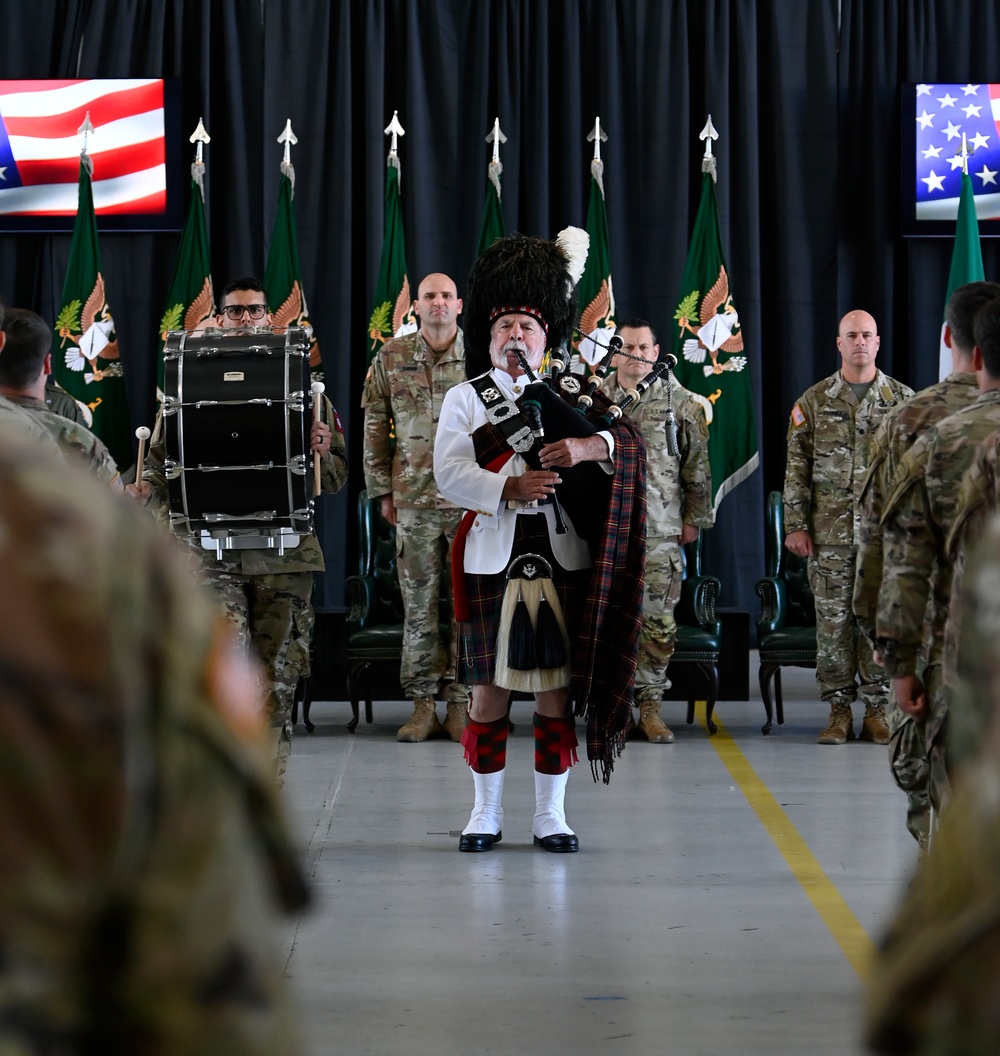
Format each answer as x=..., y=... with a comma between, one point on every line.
x=492, y=226
x=966, y=254
x=596, y=324
x=708, y=341
x=392, y=309
x=200, y=138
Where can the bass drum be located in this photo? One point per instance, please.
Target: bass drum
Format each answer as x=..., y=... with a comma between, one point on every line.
x=237, y=416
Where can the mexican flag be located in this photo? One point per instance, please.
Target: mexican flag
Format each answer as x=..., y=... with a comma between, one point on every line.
x=493, y=226
x=595, y=292
x=85, y=356
x=393, y=301
x=708, y=344
x=283, y=275
x=966, y=258
x=190, y=302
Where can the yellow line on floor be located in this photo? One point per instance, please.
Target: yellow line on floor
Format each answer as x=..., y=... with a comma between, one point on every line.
x=835, y=913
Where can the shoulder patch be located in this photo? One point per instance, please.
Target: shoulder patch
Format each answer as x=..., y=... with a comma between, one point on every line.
x=798, y=418
x=337, y=423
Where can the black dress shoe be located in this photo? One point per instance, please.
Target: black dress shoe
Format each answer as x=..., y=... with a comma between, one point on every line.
x=562, y=841
x=479, y=841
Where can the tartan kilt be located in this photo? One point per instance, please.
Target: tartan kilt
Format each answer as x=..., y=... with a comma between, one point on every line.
x=485, y=598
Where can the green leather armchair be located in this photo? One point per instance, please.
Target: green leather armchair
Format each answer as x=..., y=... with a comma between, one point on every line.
x=375, y=617
x=699, y=632
x=786, y=629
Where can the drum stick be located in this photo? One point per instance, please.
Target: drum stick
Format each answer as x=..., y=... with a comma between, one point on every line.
x=143, y=434
x=318, y=388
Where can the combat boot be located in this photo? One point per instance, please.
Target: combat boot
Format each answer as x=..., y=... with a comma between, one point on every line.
x=454, y=720
x=874, y=728
x=423, y=723
x=651, y=725
x=840, y=728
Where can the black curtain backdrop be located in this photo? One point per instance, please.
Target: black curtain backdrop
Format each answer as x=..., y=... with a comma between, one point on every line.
x=804, y=95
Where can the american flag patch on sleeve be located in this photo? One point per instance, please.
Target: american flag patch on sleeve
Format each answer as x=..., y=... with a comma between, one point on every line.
x=798, y=418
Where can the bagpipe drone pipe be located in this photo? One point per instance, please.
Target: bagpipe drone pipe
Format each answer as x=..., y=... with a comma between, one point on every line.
x=556, y=411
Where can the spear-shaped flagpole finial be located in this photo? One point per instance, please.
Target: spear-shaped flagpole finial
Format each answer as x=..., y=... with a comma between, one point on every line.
x=965, y=155
x=287, y=138
x=493, y=170
x=496, y=137
x=394, y=129
x=597, y=136
x=84, y=130
x=708, y=134
x=199, y=137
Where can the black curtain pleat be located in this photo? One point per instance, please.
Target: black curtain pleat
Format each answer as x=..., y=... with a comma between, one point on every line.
x=805, y=97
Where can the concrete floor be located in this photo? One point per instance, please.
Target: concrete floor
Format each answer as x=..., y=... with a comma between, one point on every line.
x=723, y=901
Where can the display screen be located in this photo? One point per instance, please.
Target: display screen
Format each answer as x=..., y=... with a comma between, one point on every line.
x=134, y=149
x=944, y=127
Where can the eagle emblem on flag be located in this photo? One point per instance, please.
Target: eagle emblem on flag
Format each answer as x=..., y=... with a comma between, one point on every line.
x=718, y=328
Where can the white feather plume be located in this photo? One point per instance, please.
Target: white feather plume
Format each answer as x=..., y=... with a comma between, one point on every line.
x=575, y=243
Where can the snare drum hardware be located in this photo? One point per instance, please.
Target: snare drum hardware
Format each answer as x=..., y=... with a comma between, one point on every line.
x=237, y=414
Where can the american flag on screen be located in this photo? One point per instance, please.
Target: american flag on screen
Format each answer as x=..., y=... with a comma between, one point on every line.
x=944, y=113
x=40, y=146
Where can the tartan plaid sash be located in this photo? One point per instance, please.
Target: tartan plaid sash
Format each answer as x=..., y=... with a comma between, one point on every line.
x=607, y=647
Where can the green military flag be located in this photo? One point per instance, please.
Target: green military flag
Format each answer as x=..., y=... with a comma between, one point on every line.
x=708, y=344
x=966, y=254
x=393, y=302
x=595, y=290
x=493, y=226
x=85, y=358
x=283, y=275
x=190, y=300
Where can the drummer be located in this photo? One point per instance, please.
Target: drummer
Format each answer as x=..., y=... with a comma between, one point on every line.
x=267, y=595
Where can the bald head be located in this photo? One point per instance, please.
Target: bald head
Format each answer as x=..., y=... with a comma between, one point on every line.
x=858, y=343
x=437, y=307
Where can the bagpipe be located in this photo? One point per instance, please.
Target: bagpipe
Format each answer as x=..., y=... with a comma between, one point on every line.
x=557, y=409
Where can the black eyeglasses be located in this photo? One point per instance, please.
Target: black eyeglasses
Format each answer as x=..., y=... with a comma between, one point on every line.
x=235, y=311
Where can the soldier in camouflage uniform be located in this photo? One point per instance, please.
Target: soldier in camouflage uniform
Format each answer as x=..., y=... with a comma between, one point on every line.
x=916, y=583
x=405, y=386
x=894, y=437
x=59, y=401
x=25, y=363
x=267, y=595
x=143, y=857
x=978, y=502
x=678, y=504
x=18, y=418
x=829, y=450
x=935, y=981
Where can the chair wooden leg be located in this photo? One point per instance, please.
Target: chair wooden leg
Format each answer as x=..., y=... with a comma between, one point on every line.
x=712, y=674
x=303, y=696
x=765, y=675
x=779, y=701
x=354, y=672
x=306, y=686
